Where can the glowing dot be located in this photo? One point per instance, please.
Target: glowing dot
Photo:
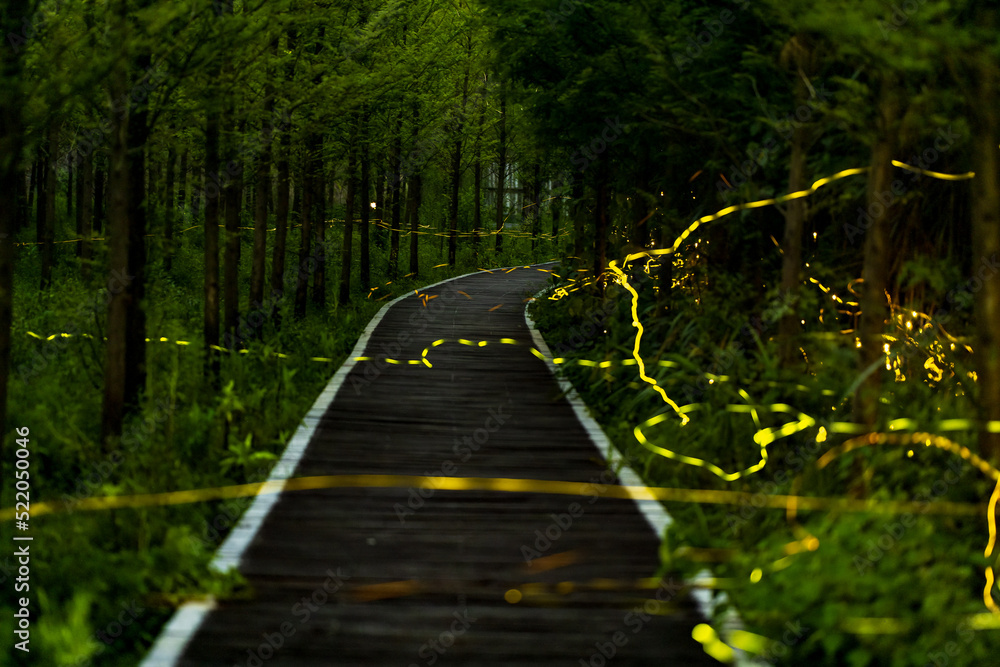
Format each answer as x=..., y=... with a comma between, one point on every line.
x=812, y=544
x=756, y=575
x=703, y=633
x=513, y=596
x=821, y=436
x=373, y=204
x=910, y=453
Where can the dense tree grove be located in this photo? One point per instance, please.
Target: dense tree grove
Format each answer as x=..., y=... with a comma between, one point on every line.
x=247, y=177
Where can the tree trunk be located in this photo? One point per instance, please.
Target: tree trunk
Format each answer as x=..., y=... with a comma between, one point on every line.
x=211, y=314
x=69, y=191
x=396, y=189
x=501, y=174
x=579, y=210
x=263, y=191
x=416, y=197
x=281, y=226
x=986, y=241
x=182, y=183
x=796, y=56
x=556, y=212
x=456, y=183
x=152, y=184
x=875, y=271
x=601, y=218
x=78, y=204
x=319, y=221
x=100, y=195
x=380, y=203
x=791, y=261
x=365, y=206
x=346, y=258
x=113, y=408
x=231, y=287
x=86, y=213
x=135, y=347
x=305, y=247
x=477, y=201
x=169, y=203
x=536, y=204
x=33, y=184
x=48, y=202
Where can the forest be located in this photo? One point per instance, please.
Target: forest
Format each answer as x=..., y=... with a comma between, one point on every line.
x=772, y=228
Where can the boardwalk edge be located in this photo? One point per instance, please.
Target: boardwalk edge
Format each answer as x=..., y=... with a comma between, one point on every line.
x=656, y=515
x=177, y=634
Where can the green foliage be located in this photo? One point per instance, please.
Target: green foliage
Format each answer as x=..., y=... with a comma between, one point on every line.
x=921, y=571
x=186, y=436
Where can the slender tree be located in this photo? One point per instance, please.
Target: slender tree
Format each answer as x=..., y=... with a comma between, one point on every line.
x=365, y=189
x=501, y=173
x=346, y=257
x=169, y=207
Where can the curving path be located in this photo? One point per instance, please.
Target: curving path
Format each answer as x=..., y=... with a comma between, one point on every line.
x=412, y=577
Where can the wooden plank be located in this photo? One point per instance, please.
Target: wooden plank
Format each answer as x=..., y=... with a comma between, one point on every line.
x=373, y=576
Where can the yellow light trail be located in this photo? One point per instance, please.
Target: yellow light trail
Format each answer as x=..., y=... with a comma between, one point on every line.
x=506, y=485
x=935, y=174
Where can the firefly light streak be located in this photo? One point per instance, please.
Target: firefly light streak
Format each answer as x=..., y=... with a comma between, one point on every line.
x=509, y=485
x=763, y=437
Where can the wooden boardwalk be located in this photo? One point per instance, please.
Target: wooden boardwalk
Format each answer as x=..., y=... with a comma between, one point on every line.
x=384, y=576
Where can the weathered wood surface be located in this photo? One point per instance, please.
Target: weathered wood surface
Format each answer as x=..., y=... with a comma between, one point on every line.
x=441, y=573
